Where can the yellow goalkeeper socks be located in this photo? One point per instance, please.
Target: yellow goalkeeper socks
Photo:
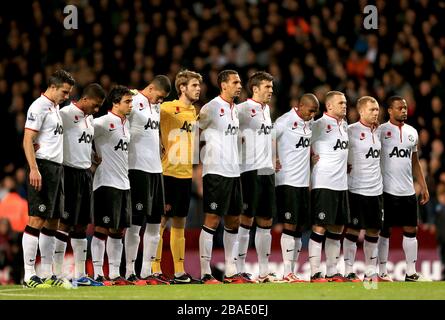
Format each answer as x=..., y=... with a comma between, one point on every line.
x=177, y=246
x=156, y=264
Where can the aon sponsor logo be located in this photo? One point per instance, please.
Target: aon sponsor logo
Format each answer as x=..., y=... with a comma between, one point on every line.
x=373, y=153
x=265, y=129
x=58, y=129
x=152, y=124
x=303, y=143
x=231, y=130
x=123, y=145
x=87, y=138
x=342, y=145
x=187, y=127
x=400, y=153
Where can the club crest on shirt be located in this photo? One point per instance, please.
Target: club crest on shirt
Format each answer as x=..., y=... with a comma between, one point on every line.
x=411, y=138
x=157, y=108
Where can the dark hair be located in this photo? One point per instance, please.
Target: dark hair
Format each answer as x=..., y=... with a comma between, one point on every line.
x=115, y=95
x=162, y=83
x=393, y=99
x=223, y=76
x=60, y=77
x=94, y=91
x=256, y=78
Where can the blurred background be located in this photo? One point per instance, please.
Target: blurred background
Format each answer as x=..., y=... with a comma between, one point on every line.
x=308, y=46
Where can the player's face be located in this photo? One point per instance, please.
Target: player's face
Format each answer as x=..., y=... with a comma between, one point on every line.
x=156, y=95
x=399, y=110
x=369, y=113
x=338, y=106
x=193, y=90
x=307, y=111
x=62, y=93
x=92, y=105
x=233, y=86
x=265, y=91
x=124, y=106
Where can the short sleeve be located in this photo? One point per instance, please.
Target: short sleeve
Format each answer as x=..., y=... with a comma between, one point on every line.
x=204, y=117
x=34, y=118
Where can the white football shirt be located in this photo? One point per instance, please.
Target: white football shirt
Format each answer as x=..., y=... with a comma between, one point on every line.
x=111, y=139
x=78, y=133
x=293, y=147
x=143, y=150
x=365, y=177
x=44, y=117
x=256, y=137
x=330, y=142
x=219, y=121
x=398, y=145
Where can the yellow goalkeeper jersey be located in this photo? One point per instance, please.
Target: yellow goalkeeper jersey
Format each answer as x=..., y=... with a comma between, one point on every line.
x=178, y=123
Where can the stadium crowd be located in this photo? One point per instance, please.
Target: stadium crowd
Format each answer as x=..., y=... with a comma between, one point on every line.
x=308, y=46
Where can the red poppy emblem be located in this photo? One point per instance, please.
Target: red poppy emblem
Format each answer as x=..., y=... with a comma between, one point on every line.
x=295, y=125
x=362, y=135
x=76, y=118
x=253, y=111
x=112, y=125
x=221, y=112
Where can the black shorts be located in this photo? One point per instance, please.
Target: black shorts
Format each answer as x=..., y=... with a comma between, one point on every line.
x=366, y=211
x=400, y=211
x=112, y=208
x=147, y=197
x=47, y=203
x=78, y=197
x=293, y=205
x=177, y=196
x=258, y=194
x=222, y=195
x=329, y=207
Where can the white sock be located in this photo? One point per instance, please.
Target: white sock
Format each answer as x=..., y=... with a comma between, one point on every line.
x=332, y=251
x=47, y=246
x=229, y=240
x=314, y=249
x=287, y=252
x=370, y=251
x=151, y=241
x=383, y=249
x=297, y=251
x=243, y=246
x=114, y=253
x=410, y=248
x=132, y=240
x=59, y=254
x=205, y=250
x=30, y=244
x=263, y=241
x=349, y=252
x=80, y=256
x=97, y=255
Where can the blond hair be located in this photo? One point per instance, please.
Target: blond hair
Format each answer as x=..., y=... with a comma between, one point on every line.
x=183, y=77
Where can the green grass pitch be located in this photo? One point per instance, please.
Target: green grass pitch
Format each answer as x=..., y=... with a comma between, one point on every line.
x=297, y=291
